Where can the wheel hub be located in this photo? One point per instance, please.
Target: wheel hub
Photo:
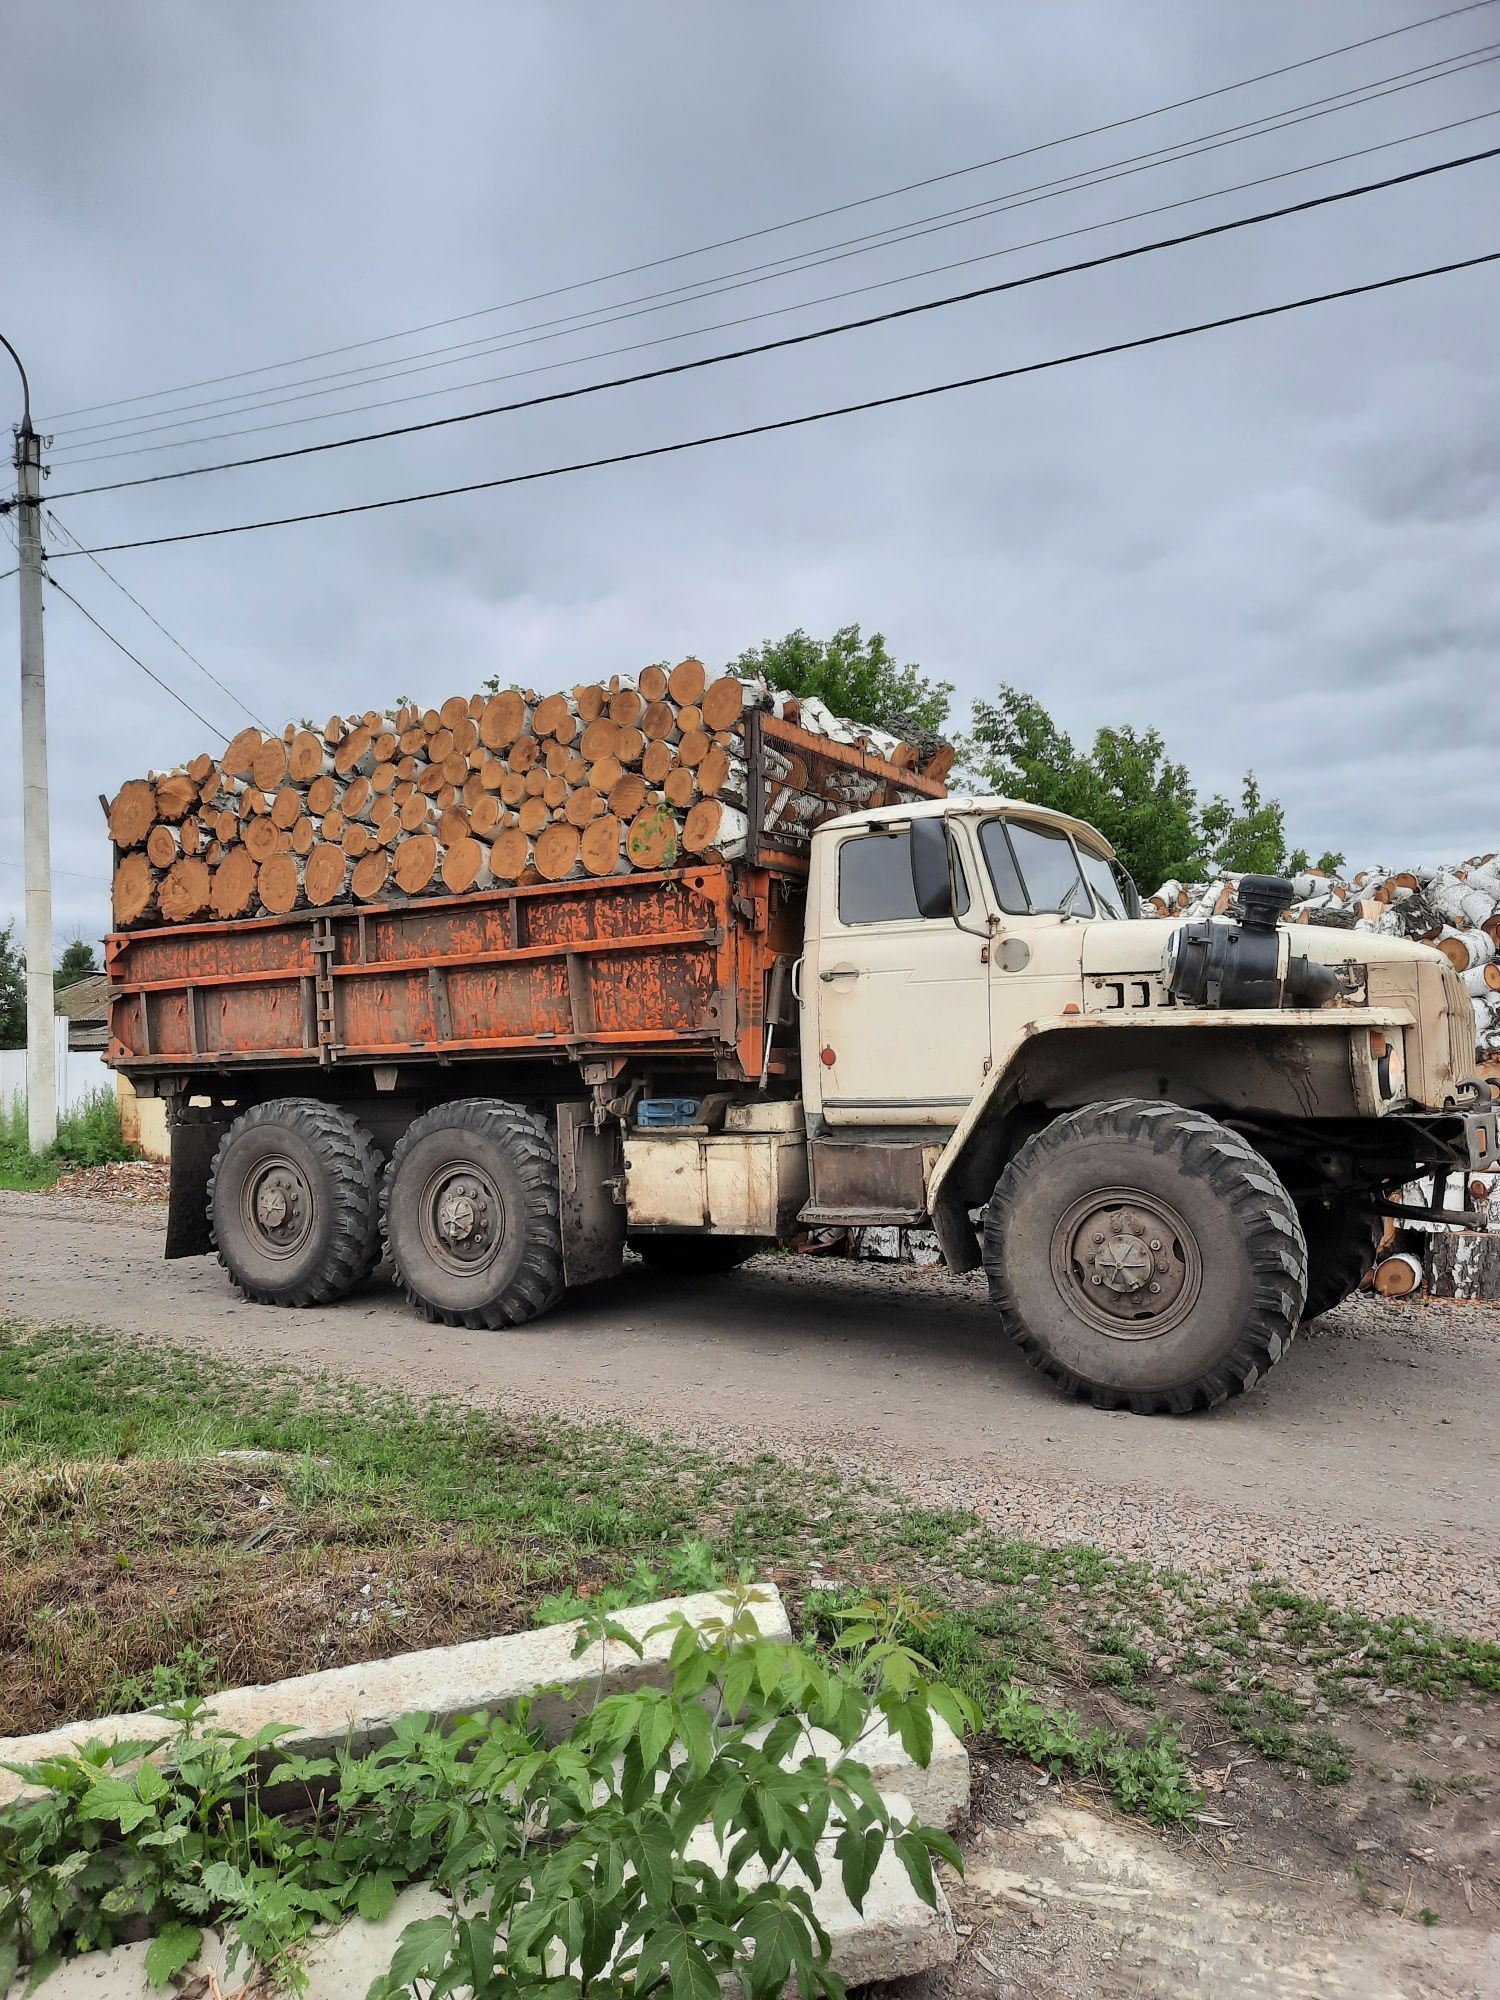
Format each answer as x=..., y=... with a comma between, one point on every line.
x=463, y=1218
x=277, y=1206
x=1127, y=1263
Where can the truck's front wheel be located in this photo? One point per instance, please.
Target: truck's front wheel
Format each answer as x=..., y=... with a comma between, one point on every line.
x=293, y=1202
x=471, y=1217
x=1147, y=1256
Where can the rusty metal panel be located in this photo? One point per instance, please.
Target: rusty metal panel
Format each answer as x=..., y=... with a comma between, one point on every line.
x=652, y=960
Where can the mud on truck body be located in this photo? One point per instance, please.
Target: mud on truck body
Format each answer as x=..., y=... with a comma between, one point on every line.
x=1167, y=1145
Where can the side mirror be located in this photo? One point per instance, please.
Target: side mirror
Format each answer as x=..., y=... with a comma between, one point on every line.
x=931, y=870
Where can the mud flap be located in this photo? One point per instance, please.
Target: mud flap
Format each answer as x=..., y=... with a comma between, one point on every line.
x=193, y=1147
x=589, y=1172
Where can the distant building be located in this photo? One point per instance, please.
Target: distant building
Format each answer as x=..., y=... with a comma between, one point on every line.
x=86, y=1006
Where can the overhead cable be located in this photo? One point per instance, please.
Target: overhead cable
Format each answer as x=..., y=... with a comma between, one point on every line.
x=795, y=222
x=120, y=645
x=802, y=339
x=645, y=304
x=794, y=423
x=58, y=522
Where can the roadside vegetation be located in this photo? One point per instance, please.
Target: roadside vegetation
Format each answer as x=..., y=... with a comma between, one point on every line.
x=173, y=1523
x=89, y=1136
x=552, y=1853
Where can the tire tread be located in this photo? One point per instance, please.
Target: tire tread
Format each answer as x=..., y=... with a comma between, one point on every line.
x=348, y=1152
x=538, y=1282
x=1251, y=1191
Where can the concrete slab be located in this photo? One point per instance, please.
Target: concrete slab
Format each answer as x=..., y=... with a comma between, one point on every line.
x=1122, y=1912
x=359, y=1704
x=897, y=1934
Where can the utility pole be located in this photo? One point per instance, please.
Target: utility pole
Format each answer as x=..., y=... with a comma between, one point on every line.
x=41, y=1058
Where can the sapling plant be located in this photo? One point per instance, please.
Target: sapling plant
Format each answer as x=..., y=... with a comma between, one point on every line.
x=671, y=1838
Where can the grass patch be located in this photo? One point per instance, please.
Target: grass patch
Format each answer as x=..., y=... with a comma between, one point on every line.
x=137, y=1562
x=89, y=1136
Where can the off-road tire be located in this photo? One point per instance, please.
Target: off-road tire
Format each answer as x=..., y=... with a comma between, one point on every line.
x=508, y=1156
x=323, y=1167
x=694, y=1256
x=1343, y=1242
x=1244, y=1240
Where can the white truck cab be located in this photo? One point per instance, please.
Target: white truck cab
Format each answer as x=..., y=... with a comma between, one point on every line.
x=1177, y=1141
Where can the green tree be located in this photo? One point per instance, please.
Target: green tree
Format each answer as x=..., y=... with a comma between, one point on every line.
x=12, y=991
x=77, y=962
x=858, y=678
x=1141, y=800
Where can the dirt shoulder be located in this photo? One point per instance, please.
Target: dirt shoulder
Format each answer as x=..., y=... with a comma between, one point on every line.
x=1363, y=1469
x=1324, y=1776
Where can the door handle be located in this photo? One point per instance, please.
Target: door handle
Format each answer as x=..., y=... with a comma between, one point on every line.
x=839, y=972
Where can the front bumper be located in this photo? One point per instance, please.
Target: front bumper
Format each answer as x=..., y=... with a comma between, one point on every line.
x=1466, y=1136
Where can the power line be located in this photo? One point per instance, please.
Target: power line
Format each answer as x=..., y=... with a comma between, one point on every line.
x=6, y=574
x=802, y=339
x=750, y=276
x=794, y=423
x=60, y=523
x=73, y=874
x=771, y=312
x=120, y=645
x=771, y=229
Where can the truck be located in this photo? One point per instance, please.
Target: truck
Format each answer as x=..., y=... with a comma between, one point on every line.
x=1166, y=1145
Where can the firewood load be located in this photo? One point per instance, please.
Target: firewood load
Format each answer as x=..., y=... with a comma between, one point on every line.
x=1456, y=910
x=486, y=791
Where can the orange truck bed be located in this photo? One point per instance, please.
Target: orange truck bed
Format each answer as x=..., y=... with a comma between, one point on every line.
x=694, y=962
x=640, y=963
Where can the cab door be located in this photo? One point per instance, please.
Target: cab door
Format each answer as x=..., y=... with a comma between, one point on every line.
x=1044, y=904
x=896, y=1021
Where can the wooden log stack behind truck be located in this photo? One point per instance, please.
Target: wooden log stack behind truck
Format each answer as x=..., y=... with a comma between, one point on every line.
x=849, y=1000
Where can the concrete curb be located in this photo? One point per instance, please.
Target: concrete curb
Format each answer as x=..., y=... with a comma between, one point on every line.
x=896, y=1935
x=358, y=1705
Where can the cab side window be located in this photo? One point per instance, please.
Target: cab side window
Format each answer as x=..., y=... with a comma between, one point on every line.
x=875, y=885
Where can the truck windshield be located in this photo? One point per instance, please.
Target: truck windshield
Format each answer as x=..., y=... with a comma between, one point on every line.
x=1036, y=868
x=1107, y=883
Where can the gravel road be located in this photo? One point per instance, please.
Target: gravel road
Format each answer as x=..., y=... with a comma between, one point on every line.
x=1364, y=1469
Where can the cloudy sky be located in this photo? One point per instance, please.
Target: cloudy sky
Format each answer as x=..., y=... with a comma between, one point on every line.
x=1280, y=543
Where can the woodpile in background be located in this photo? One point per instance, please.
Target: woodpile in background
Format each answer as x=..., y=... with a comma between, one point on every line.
x=484, y=791
x=1444, y=1260
x=1456, y=909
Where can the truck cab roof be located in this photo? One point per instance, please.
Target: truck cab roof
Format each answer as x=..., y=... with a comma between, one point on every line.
x=970, y=805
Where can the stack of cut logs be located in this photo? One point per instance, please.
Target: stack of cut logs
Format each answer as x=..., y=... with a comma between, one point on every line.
x=1456, y=909
x=1444, y=1260
x=488, y=789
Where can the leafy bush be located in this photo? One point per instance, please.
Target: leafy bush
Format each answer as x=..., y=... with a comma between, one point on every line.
x=91, y=1135
x=668, y=1842
x=1151, y=1778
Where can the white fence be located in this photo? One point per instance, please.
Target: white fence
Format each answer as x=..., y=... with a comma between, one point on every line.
x=79, y=1071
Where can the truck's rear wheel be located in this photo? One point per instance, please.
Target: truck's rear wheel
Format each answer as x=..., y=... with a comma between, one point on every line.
x=470, y=1214
x=1146, y=1256
x=294, y=1203
x=1343, y=1241
x=694, y=1256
